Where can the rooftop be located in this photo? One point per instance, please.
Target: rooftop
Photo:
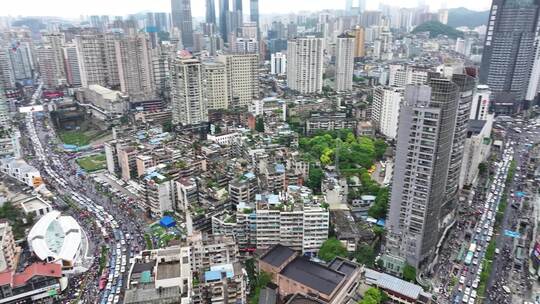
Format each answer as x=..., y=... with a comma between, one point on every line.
x=168, y=270
x=277, y=255
x=391, y=283
x=313, y=275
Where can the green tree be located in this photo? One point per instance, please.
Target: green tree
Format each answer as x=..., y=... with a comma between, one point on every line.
x=380, y=207
x=167, y=126
x=372, y=296
x=483, y=168
x=332, y=248
x=365, y=255
x=261, y=281
x=409, y=273
x=315, y=178
x=259, y=125
x=380, y=148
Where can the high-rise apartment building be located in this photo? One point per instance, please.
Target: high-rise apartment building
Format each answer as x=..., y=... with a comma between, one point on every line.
x=426, y=127
x=73, y=72
x=22, y=60
x=188, y=102
x=305, y=65
x=92, y=59
x=385, y=110
x=466, y=86
x=480, y=103
x=242, y=78
x=278, y=64
x=360, y=42
x=181, y=19
x=344, y=62
x=50, y=69
x=215, y=84
x=135, y=71
x=55, y=41
x=509, y=51
x=8, y=249
x=7, y=78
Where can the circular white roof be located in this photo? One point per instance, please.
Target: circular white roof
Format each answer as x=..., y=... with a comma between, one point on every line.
x=55, y=237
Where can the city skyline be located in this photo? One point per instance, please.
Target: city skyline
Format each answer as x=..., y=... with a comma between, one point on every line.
x=65, y=8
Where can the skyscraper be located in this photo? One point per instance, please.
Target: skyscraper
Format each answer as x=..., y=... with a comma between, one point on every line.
x=344, y=62
x=426, y=127
x=215, y=83
x=73, y=73
x=509, y=51
x=254, y=11
x=211, y=11
x=188, y=103
x=242, y=78
x=305, y=65
x=51, y=72
x=92, y=59
x=224, y=20
x=360, y=42
x=385, y=110
x=181, y=18
x=135, y=67
x=237, y=16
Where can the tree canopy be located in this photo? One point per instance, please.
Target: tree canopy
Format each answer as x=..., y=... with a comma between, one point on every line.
x=372, y=296
x=331, y=249
x=409, y=273
x=435, y=28
x=259, y=124
x=353, y=152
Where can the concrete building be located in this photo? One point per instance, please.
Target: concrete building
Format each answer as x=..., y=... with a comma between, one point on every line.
x=246, y=46
x=359, y=42
x=278, y=64
x=293, y=219
x=344, y=62
x=481, y=103
x=51, y=70
x=21, y=171
x=127, y=161
x=10, y=143
x=181, y=19
x=243, y=190
x=9, y=251
x=36, y=207
x=37, y=281
x=466, y=85
x=73, y=72
x=401, y=76
x=160, y=194
x=329, y=122
x=160, y=276
x=385, y=110
x=215, y=83
x=135, y=70
x=476, y=149
x=7, y=78
x=92, y=60
x=189, y=106
x=293, y=274
x=110, y=101
x=305, y=65
x=242, y=78
x=424, y=147
x=509, y=51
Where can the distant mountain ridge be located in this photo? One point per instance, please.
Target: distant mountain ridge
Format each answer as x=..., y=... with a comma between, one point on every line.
x=464, y=17
x=435, y=28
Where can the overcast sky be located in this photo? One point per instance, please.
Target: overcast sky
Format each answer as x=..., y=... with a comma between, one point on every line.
x=76, y=8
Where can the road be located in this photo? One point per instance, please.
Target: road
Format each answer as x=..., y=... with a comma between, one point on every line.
x=108, y=222
x=503, y=265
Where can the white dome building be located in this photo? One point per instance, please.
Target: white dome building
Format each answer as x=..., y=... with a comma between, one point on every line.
x=56, y=238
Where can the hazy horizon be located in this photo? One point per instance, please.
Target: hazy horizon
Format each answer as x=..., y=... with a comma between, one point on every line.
x=67, y=9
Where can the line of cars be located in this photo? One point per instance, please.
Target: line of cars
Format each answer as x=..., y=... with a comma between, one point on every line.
x=118, y=260
x=470, y=278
